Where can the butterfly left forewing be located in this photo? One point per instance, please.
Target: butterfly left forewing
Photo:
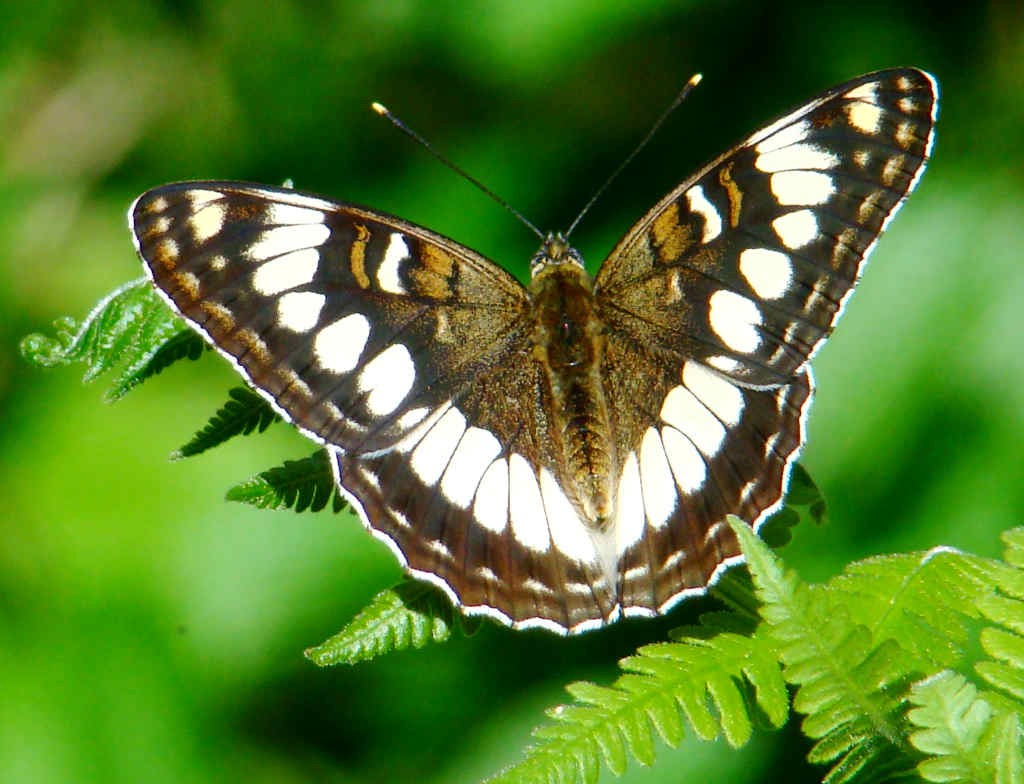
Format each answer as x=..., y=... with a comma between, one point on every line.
x=747, y=265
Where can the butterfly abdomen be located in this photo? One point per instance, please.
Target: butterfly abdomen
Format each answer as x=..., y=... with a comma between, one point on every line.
x=569, y=345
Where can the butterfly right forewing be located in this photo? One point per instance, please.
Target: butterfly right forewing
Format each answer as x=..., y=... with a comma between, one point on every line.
x=351, y=322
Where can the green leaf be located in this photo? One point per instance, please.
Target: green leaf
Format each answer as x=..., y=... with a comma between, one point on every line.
x=129, y=327
x=183, y=344
x=243, y=414
x=296, y=484
x=1003, y=642
x=928, y=602
x=710, y=678
x=412, y=614
x=847, y=685
x=965, y=738
x=803, y=500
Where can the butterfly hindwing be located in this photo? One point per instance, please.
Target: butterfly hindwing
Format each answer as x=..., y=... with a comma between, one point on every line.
x=696, y=447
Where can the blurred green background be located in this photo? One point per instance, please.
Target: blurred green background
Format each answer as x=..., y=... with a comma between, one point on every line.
x=150, y=631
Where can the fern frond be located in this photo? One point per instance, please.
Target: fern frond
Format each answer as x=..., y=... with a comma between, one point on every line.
x=128, y=327
x=848, y=687
x=412, y=614
x=803, y=501
x=965, y=738
x=713, y=680
x=1004, y=642
x=803, y=492
x=244, y=413
x=926, y=602
x=305, y=484
x=183, y=344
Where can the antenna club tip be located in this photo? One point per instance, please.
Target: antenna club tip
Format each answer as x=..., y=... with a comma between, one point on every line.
x=380, y=108
x=696, y=79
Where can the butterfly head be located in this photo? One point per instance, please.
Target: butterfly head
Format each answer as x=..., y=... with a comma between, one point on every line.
x=554, y=251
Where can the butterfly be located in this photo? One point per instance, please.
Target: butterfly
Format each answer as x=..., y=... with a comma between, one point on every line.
x=561, y=454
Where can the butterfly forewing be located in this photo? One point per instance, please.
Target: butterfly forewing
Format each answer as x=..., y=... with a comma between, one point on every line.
x=442, y=388
x=323, y=307
x=747, y=265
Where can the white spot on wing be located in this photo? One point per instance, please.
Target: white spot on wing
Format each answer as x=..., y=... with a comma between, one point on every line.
x=712, y=220
x=388, y=377
x=486, y=574
x=568, y=532
x=723, y=398
x=905, y=135
x=656, y=482
x=725, y=364
x=526, y=507
x=892, y=169
x=168, y=248
x=794, y=134
x=286, y=239
x=431, y=455
x=769, y=272
x=474, y=454
x=692, y=418
x=299, y=311
x=802, y=187
x=208, y=221
x=629, y=514
x=338, y=346
x=412, y=417
x=796, y=156
x=796, y=229
x=491, y=506
x=865, y=117
x=735, y=318
x=286, y=272
x=440, y=548
x=289, y=214
x=200, y=197
x=687, y=464
x=387, y=274
x=863, y=92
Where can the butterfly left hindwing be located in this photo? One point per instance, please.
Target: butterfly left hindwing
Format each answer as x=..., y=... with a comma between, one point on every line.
x=560, y=455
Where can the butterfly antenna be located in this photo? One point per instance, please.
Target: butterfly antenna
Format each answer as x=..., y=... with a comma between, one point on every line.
x=694, y=81
x=383, y=111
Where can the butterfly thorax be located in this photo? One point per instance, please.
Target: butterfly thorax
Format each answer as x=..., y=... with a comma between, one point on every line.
x=569, y=345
